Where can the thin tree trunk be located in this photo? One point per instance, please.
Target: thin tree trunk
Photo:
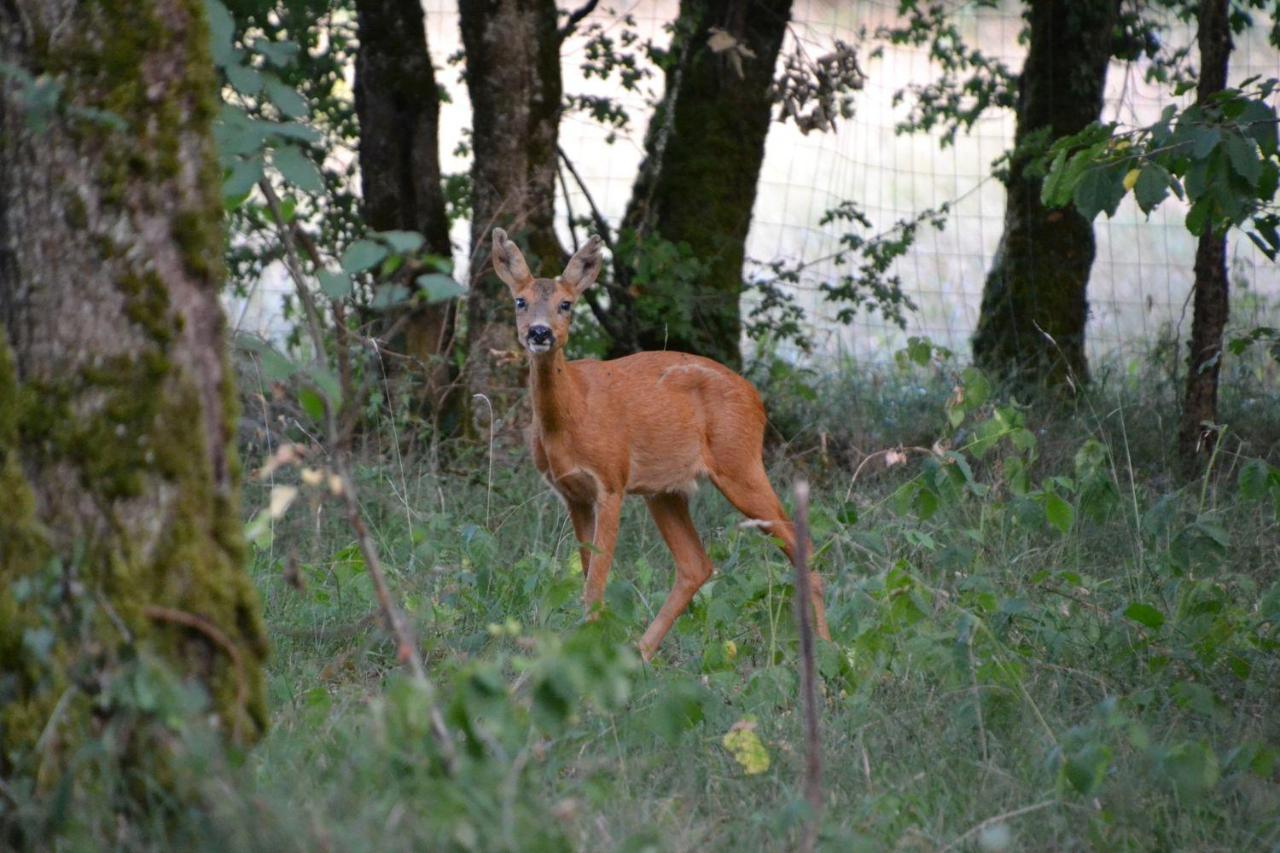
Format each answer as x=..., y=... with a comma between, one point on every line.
x=1031, y=328
x=398, y=104
x=697, y=185
x=1209, y=318
x=120, y=529
x=513, y=78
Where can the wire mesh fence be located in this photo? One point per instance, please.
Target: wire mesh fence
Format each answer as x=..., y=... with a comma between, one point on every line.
x=1141, y=279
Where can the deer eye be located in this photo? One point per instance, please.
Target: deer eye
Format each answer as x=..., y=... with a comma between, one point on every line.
x=566, y=306
x=520, y=304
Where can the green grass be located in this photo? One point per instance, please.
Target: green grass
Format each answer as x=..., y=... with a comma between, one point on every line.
x=1061, y=648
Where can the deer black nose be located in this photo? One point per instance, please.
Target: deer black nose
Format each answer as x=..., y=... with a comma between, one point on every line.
x=541, y=335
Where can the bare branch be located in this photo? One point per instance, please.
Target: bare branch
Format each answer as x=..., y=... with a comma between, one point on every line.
x=804, y=622
x=575, y=18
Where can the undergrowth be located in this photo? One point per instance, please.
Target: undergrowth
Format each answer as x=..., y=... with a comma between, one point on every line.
x=1041, y=639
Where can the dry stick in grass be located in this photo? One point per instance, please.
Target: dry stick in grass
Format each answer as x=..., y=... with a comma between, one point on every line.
x=804, y=622
x=407, y=646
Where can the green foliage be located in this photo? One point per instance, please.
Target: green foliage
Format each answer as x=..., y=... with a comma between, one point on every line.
x=1221, y=156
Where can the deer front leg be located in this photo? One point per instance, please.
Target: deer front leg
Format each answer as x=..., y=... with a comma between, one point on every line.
x=607, y=511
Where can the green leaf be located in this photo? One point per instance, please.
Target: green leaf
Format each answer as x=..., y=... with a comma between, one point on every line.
x=1152, y=187
x=1100, y=188
x=438, y=287
x=245, y=80
x=221, y=30
x=1244, y=158
x=294, y=130
x=1258, y=121
x=977, y=388
x=335, y=284
x=1058, y=512
x=362, y=255
x=279, y=53
x=1253, y=480
x=244, y=174
x=390, y=294
x=1198, y=217
x=1204, y=140
x=1192, y=769
x=1144, y=614
x=1052, y=192
x=325, y=382
x=1086, y=768
x=285, y=97
x=312, y=403
x=297, y=168
x=403, y=242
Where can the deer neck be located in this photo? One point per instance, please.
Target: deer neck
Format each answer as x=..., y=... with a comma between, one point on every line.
x=556, y=396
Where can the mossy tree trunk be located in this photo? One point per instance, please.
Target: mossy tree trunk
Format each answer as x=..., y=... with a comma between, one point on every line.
x=697, y=184
x=398, y=104
x=120, y=530
x=1031, y=328
x=513, y=79
x=1209, y=317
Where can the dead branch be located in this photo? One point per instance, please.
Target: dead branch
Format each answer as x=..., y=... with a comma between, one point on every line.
x=804, y=622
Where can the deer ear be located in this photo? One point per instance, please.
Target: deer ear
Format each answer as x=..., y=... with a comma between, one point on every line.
x=584, y=267
x=508, y=262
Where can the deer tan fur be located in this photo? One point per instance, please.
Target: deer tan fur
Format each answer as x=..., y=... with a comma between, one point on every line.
x=650, y=424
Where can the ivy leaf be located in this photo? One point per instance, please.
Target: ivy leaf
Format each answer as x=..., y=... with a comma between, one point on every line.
x=362, y=255
x=297, y=168
x=438, y=287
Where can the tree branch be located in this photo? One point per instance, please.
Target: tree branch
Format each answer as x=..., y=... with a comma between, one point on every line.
x=575, y=18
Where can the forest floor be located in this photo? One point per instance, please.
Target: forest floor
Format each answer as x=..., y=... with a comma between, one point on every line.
x=1042, y=639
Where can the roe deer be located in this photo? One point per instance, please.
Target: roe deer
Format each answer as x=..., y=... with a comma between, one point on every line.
x=648, y=424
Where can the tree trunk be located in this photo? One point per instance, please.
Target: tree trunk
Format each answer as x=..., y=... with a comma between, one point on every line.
x=120, y=528
x=398, y=104
x=513, y=78
x=1209, y=318
x=697, y=184
x=1031, y=328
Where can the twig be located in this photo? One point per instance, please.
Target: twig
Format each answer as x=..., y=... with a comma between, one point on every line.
x=488, y=494
x=974, y=830
x=407, y=647
x=216, y=636
x=804, y=621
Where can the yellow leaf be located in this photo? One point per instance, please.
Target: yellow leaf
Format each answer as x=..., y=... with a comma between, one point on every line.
x=730, y=650
x=281, y=497
x=1131, y=178
x=746, y=747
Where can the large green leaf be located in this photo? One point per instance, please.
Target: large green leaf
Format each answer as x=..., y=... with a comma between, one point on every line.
x=285, y=97
x=362, y=255
x=438, y=287
x=1152, y=187
x=297, y=168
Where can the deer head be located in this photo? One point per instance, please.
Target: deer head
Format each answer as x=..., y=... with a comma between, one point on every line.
x=544, y=306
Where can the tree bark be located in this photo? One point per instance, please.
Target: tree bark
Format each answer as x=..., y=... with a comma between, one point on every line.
x=1031, y=328
x=513, y=78
x=1211, y=307
x=398, y=105
x=697, y=184
x=120, y=528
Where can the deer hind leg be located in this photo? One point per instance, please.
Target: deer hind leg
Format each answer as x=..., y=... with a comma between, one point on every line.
x=608, y=508
x=693, y=567
x=750, y=491
x=583, y=517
